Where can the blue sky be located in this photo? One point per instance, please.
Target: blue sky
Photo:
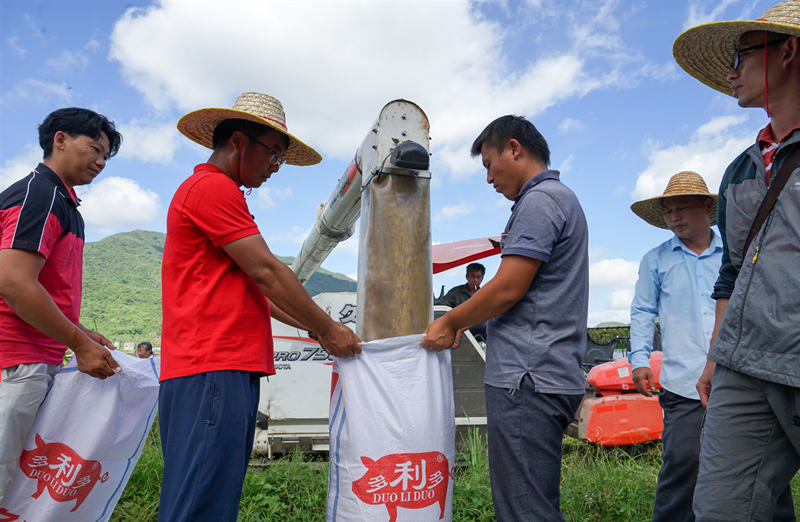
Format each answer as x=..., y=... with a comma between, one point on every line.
x=596, y=77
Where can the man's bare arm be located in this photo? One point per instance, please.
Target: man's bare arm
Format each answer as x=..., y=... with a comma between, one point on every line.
x=277, y=313
x=704, y=383
x=97, y=337
x=21, y=290
x=278, y=282
x=513, y=278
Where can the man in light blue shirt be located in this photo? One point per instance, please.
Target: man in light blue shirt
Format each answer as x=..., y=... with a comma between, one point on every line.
x=676, y=279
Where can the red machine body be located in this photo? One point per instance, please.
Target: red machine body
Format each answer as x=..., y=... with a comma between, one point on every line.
x=613, y=413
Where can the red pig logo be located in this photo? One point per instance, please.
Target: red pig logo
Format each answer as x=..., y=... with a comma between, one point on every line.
x=57, y=466
x=407, y=480
x=7, y=516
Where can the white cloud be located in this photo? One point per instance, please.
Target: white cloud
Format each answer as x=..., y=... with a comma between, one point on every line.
x=67, y=60
x=602, y=316
x=599, y=25
x=268, y=197
x=295, y=235
x=708, y=152
x=325, y=60
x=597, y=253
x=569, y=124
x=20, y=166
x=611, y=287
x=149, y=143
x=37, y=90
x=349, y=245
x=613, y=273
x=93, y=45
x=596, y=35
x=566, y=165
x=450, y=212
x=34, y=28
x=719, y=125
x=663, y=72
x=620, y=298
x=13, y=43
x=113, y=204
x=698, y=15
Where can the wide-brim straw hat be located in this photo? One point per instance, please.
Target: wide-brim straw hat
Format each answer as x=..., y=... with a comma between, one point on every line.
x=260, y=108
x=686, y=183
x=705, y=51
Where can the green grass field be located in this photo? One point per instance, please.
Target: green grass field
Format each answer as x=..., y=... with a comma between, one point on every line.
x=597, y=484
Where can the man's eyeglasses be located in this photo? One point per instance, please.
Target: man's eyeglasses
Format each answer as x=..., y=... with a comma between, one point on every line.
x=736, y=60
x=276, y=159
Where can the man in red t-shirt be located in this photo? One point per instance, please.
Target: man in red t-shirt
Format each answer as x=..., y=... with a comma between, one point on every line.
x=216, y=339
x=41, y=262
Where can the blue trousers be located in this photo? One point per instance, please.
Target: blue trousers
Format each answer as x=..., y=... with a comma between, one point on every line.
x=207, y=426
x=525, y=430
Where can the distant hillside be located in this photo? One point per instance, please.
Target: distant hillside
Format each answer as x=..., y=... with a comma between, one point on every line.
x=324, y=281
x=122, y=285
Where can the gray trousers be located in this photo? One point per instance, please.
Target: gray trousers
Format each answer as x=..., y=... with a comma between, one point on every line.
x=750, y=448
x=525, y=429
x=22, y=390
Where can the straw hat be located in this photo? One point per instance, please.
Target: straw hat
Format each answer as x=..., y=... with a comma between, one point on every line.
x=685, y=183
x=705, y=51
x=199, y=125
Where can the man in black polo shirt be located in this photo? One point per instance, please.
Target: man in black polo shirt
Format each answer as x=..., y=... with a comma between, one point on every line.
x=459, y=294
x=41, y=264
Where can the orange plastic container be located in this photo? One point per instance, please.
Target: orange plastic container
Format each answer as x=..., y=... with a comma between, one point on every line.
x=620, y=419
x=617, y=376
x=617, y=414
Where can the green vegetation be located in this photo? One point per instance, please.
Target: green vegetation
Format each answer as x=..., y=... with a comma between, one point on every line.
x=597, y=484
x=122, y=286
x=608, y=483
x=605, y=334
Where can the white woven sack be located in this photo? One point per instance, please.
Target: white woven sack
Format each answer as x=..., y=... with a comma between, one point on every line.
x=392, y=434
x=84, y=443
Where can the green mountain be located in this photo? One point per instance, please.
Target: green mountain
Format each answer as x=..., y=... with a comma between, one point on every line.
x=122, y=285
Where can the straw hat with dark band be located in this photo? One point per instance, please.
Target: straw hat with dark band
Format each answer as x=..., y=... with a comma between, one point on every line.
x=685, y=183
x=705, y=51
x=199, y=125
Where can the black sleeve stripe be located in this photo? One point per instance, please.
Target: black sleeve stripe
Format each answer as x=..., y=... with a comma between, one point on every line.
x=31, y=221
x=19, y=216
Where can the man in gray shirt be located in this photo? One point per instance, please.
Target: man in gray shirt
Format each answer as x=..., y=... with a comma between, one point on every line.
x=536, y=306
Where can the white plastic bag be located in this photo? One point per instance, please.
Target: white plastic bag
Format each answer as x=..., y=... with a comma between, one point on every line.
x=392, y=434
x=84, y=443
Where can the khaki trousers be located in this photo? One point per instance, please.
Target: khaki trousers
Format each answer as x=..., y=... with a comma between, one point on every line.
x=22, y=390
